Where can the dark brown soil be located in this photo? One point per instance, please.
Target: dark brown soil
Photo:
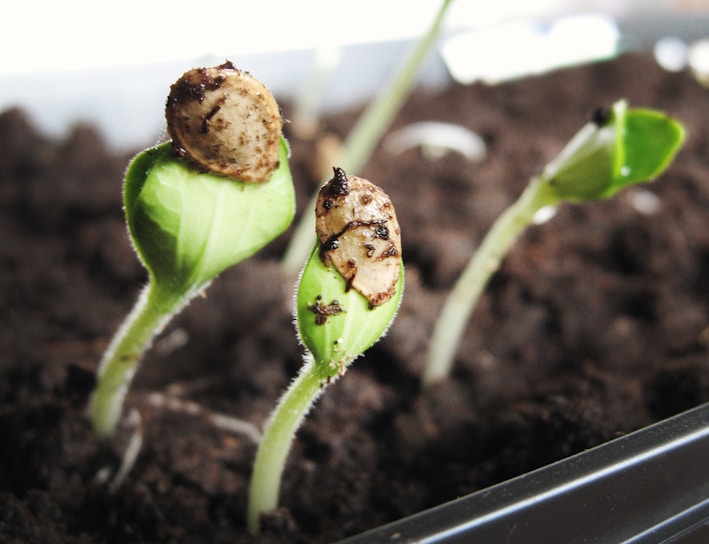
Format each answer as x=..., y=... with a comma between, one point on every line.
x=596, y=325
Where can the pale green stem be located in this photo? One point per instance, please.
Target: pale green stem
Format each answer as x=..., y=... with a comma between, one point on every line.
x=277, y=439
x=305, y=113
x=461, y=301
x=365, y=136
x=152, y=311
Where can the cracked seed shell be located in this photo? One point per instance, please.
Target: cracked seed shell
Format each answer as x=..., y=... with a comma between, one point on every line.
x=359, y=235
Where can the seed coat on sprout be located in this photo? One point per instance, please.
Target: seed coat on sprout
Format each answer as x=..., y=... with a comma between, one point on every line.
x=226, y=121
x=359, y=235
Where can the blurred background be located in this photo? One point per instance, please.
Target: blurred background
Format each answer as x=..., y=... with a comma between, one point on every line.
x=111, y=64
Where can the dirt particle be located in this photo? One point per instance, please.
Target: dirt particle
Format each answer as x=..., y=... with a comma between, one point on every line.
x=600, y=116
x=323, y=311
x=339, y=185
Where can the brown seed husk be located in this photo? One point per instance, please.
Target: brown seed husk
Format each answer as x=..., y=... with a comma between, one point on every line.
x=359, y=235
x=226, y=121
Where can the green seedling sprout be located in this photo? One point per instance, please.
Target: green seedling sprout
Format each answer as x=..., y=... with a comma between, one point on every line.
x=367, y=132
x=210, y=198
x=347, y=296
x=616, y=149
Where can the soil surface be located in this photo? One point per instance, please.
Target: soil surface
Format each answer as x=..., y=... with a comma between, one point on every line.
x=596, y=325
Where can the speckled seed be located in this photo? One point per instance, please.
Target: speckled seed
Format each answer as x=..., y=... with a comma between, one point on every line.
x=226, y=121
x=359, y=234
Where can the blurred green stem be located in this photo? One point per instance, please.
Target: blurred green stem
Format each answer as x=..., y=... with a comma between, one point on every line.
x=466, y=292
x=365, y=136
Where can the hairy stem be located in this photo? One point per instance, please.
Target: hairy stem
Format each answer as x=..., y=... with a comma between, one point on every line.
x=365, y=135
x=152, y=311
x=461, y=301
x=277, y=439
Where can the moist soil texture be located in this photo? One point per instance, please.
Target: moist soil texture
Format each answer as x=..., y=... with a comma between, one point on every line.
x=596, y=325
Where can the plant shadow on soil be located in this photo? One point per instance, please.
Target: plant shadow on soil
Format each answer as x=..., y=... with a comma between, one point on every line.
x=595, y=326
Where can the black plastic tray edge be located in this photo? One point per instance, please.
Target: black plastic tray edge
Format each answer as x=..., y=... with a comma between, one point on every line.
x=646, y=487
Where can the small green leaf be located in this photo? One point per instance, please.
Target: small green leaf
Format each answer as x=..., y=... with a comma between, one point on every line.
x=335, y=323
x=626, y=147
x=650, y=141
x=188, y=226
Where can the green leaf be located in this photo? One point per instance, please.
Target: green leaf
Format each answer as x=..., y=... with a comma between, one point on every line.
x=630, y=146
x=188, y=226
x=335, y=323
x=650, y=142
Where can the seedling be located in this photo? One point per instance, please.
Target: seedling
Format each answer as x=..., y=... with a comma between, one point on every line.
x=347, y=296
x=216, y=194
x=616, y=149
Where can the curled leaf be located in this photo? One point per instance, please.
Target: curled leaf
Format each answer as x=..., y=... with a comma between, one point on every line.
x=188, y=226
x=617, y=148
x=335, y=323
